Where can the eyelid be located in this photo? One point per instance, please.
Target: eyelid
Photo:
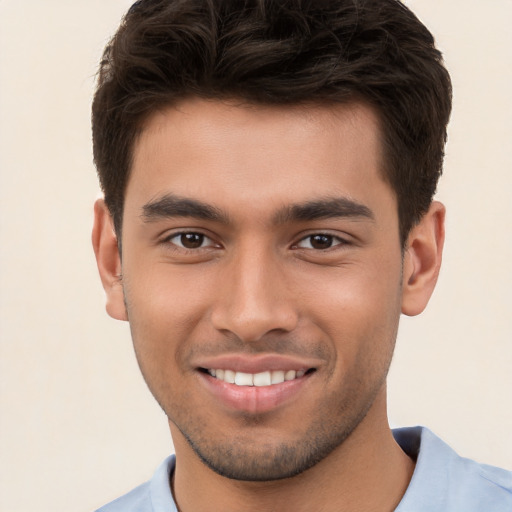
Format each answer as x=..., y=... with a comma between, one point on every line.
x=337, y=241
x=168, y=239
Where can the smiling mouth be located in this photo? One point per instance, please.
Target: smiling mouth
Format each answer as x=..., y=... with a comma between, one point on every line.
x=267, y=378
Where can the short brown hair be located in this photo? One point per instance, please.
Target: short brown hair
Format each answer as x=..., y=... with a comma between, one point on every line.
x=278, y=52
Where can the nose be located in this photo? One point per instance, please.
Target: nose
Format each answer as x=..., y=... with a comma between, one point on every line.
x=254, y=297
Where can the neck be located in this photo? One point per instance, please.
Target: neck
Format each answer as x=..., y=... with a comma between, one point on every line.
x=368, y=472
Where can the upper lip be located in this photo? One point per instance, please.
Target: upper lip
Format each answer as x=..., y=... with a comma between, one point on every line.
x=257, y=363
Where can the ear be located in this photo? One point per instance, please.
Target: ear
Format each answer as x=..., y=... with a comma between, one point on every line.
x=422, y=260
x=104, y=242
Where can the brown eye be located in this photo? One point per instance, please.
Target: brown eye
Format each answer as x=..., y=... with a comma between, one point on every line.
x=320, y=241
x=191, y=240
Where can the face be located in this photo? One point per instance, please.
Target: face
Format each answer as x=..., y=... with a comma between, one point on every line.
x=261, y=273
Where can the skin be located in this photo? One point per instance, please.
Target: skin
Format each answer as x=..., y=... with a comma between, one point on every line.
x=257, y=284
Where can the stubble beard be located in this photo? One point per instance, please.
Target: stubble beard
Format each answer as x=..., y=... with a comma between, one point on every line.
x=254, y=460
x=250, y=459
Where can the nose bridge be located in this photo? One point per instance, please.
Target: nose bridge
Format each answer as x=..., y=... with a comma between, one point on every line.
x=254, y=298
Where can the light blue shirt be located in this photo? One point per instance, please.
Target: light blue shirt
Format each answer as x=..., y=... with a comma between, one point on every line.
x=442, y=482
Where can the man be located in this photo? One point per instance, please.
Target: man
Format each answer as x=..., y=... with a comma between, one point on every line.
x=268, y=171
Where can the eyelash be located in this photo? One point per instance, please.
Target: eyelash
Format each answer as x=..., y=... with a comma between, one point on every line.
x=169, y=240
x=334, y=241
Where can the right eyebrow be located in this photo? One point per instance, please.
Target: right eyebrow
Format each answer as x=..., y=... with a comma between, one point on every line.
x=170, y=205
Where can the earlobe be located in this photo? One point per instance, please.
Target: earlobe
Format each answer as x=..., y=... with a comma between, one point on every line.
x=422, y=260
x=108, y=259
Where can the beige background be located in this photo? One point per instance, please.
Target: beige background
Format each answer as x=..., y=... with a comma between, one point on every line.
x=78, y=426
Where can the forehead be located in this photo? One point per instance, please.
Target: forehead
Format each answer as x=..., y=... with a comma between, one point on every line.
x=220, y=150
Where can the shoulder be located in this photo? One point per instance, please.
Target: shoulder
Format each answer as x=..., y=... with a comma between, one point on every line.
x=444, y=481
x=485, y=487
x=137, y=500
x=152, y=496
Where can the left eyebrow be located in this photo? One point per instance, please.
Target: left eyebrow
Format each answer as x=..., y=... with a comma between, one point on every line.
x=324, y=209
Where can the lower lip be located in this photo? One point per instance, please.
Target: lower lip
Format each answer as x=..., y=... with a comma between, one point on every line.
x=254, y=399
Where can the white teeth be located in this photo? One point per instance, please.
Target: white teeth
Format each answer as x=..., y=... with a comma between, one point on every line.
x=290, y=375
x=229, y=376
x=277, y=377
x=244, y=379
x=257, y=379
x=262, y=379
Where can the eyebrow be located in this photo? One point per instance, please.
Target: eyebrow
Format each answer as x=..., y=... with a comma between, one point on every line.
x=331, y=207
x=170, y=205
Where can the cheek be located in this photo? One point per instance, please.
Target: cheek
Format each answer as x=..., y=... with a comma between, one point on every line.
x=358, y=307
x=164, y=312
x=165, y=307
